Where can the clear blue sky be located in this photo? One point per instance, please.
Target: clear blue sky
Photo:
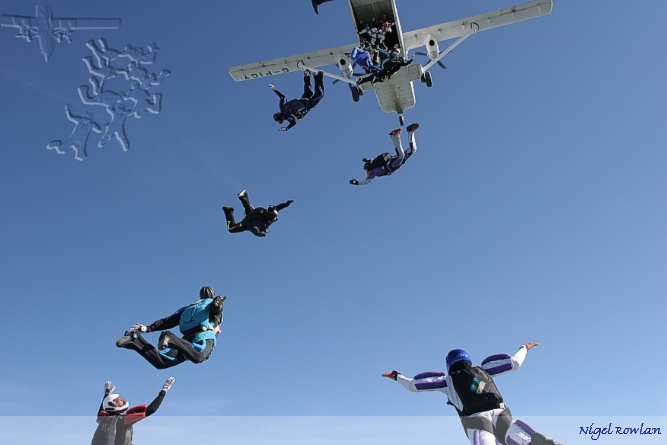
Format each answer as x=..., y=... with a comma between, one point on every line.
x=534, y=210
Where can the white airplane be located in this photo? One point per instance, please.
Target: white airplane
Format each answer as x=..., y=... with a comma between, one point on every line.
x=397, y=94
x=49, y=29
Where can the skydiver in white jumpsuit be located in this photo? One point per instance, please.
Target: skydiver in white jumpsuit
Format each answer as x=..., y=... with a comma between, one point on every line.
x=472, y=391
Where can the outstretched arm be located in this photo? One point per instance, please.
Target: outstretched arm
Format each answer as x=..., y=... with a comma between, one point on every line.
x=216, y=310
x=160, y=325
x=292, y=122
x=155, y=404
x=364, y=182
x=284, y=205
x=425, y=381
x=138, y=413
x=108, y=389
x=280, y=95
x=503, y=363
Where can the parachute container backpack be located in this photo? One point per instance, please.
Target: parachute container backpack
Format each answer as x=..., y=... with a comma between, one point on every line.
x=195, y=316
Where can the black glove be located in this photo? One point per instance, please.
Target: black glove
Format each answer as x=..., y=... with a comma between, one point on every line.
x=354, y=182
x=289, y=201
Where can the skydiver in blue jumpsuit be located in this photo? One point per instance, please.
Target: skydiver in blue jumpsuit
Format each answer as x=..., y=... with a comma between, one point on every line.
x=363, y=59
x=199, y=323
x=296, y=109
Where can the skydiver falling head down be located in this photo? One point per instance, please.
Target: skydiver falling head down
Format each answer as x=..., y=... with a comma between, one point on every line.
x=199, y=323
x=257, y=219
x=115, y=420
x=296, y=109
x=473, y=392
x=385, y=164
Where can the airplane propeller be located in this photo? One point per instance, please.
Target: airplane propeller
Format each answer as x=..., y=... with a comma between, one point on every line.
x=442, y=65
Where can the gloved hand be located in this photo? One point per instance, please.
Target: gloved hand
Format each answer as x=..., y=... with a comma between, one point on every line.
x=261, y=235
x=289, y=201
x=354, y=182
x=167, y=384
x=140, y=328
x=108, y=389
x=219, y=301
x=391, y=375
x=272, y=87
x=283, y=129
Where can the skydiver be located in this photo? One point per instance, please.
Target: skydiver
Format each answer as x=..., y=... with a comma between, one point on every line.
x=78, y=139
x=296, y=109
x=388, y=67
x=385, y=164
x=199, y=323
x=363, y=59
x=472, y=391
x=115, y=420
x=257, y=219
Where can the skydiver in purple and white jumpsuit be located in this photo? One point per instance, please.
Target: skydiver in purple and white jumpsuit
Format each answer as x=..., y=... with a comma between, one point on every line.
x=472, y=391
x=384, y=164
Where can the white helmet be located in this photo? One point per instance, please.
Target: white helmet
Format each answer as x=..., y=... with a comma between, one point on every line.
x=109, y=404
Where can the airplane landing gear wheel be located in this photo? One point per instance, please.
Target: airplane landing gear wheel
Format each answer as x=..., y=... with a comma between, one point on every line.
x=355, y=93
x=427, y=79
x=401, y=120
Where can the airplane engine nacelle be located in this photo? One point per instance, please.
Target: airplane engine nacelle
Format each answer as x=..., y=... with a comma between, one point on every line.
x=345, y=68
x=432, y=49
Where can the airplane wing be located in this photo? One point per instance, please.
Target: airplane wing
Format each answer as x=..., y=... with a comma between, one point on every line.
x=16, y=21
x=284, y=65
x=489, y=20
x=74, y=23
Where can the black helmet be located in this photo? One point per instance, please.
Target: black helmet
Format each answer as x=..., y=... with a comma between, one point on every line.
x=271, y=213
x=206, y=292
x=279, y=117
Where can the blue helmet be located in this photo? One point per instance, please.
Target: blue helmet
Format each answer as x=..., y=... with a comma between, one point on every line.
x=455, y=356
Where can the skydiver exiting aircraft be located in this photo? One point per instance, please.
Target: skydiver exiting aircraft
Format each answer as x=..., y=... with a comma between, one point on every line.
x=385, y=164
x=199, y=323
x=389, y=66
x=296, y=109
x=363, y=59
x=257, y=219
x=472, y=391
x=115, y=420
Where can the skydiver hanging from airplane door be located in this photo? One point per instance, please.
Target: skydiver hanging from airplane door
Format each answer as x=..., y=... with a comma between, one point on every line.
x=296, y=109
x=363, y=59
x=385, y=164
x=390, y=65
